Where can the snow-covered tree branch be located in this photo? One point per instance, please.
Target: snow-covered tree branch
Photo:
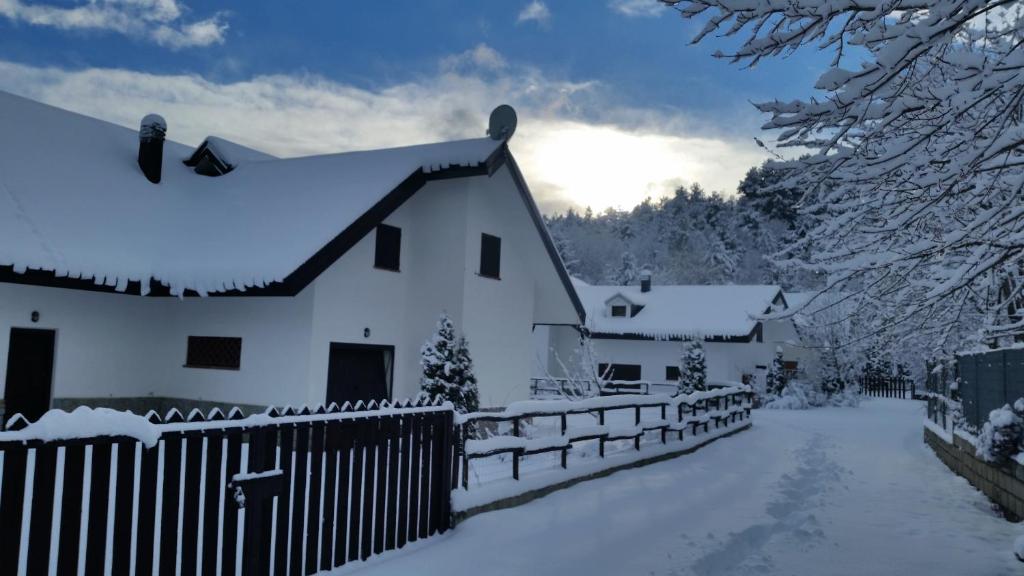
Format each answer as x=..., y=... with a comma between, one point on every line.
x=915, y=175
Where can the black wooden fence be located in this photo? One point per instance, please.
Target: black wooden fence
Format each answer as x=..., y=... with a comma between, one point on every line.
x=884, y=386
x=298, y=493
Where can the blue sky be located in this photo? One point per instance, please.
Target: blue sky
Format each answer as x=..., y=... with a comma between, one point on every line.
x=612, y=86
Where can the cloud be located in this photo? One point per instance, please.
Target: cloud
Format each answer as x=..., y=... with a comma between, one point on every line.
x=576, y=145
x=637, y=8
x=161, y=21
x=535, y=11
x=481, y=57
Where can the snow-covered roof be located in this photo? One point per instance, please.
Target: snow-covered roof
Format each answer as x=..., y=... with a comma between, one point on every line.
x=234, y=153
x=726, y=311
x=73, y=201
x=798, y=299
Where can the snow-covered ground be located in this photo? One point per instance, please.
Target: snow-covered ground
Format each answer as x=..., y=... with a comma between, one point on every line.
x=833, y=491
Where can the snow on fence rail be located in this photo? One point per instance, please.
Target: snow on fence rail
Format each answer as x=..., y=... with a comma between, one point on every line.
x=676, y=415
x=297, y=491
x=549, y=386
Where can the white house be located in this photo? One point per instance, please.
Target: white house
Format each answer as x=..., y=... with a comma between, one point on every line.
x=636, y=333
x=142, y=273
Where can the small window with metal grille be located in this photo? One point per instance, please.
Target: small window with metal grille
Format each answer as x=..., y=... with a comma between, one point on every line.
x=218, y=352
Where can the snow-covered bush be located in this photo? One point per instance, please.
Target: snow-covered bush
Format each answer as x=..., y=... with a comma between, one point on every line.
x=693, y=372
x=800, y=395
x=795, y=395
x=1001, y=435
x=448, y=368
x=847, y=396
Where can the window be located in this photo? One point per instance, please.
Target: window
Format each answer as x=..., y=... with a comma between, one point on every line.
x=619, y=371
x=671, y=373
x=619, y=311
x=389, y=248
x=490, y=256
x=214, y=352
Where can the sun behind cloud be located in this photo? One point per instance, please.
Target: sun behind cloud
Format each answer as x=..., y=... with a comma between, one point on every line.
x=574, y=164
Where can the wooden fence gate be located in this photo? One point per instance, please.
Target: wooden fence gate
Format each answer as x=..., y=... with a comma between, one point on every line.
x=888, y=387
x=296, y=493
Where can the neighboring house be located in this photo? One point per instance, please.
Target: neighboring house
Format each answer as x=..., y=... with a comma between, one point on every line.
x=141, y=273
x=636, y=333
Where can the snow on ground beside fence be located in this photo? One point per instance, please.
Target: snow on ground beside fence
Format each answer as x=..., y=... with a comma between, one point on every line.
x=946, y=435
x=828, y=492
x=490, y=477
x=542, y=470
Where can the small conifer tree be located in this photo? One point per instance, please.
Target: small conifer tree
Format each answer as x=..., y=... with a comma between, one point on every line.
x=448, y=368
x=775, y=381
x=692, y=368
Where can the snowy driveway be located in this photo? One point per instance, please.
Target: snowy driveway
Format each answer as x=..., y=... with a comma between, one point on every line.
x=818, y=493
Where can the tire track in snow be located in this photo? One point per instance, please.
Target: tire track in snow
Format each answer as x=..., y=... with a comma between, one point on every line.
x=805, y=488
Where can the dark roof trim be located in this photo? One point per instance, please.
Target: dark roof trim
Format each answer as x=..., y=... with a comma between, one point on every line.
x=338, y=246
x=732, y=339
x=542, y=229
x=780, y=298
x=205, y=161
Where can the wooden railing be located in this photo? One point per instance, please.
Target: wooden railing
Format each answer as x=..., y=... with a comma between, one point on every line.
x=693, y=413
x=541, y=387
x=348, y=483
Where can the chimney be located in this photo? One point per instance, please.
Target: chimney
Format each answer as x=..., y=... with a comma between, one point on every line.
x=151, y=146
x=645, y=281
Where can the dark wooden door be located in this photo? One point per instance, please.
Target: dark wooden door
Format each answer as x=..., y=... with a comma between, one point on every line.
x=358, y=372
x=29, y=373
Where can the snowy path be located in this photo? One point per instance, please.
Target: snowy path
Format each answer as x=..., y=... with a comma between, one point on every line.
x=818, y=493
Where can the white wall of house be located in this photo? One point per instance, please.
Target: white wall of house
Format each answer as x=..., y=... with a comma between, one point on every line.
x=118, y=346
x=401, y=308
x=100, y=350
x=275, y=335
x=441, y=227
x=498, y=315
x=724, y=360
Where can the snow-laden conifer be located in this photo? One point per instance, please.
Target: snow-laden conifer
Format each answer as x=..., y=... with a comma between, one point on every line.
x=448, y=368
x=692, y=368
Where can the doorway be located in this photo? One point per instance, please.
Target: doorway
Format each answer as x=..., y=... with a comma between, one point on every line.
x=29, y=373
x=359, y=372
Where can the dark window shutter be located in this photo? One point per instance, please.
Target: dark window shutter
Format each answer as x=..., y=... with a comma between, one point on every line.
x=214, y=352
x=490, y=256
x=389, y=248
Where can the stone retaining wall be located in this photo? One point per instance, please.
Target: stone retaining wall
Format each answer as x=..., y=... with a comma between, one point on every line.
x=1004, y=485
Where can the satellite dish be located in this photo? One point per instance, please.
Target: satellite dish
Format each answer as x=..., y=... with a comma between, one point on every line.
x=503, y=123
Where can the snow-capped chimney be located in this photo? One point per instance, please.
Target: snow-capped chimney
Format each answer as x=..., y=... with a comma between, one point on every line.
x=645, y=281
x=151, y=146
